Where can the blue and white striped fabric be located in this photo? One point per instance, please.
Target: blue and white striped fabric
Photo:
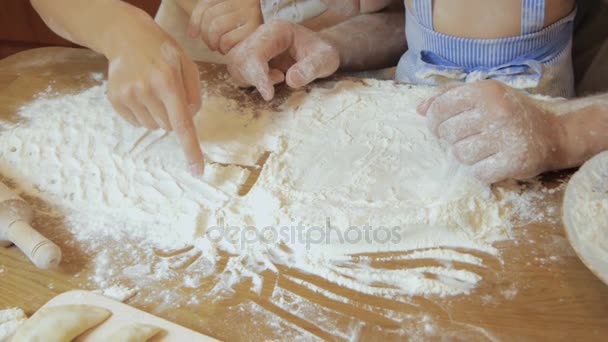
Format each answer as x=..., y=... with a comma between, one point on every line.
x=538, y=60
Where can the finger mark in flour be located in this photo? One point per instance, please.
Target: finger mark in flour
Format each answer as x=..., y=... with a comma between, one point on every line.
x=339, y=325
x=294, y=320
x=170, y=253
x=337, y=306
x=184, y=260
x=406, y=305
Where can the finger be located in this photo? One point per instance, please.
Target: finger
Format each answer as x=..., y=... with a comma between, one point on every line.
x=258, y=75
x=143, y=116
x=182, y=123
x=230, y=39
x=125, y=112
x=192, y=84
x=423, y=107
x=491, y=170
x=211, y=15
x=157, y=110
x=453, y=102
x=282, y=62
x=461, y=126
x=476, y=148
x=248, y=63
x=315, y=66
x=276, y=76
x=196, y=18
x=220, y=26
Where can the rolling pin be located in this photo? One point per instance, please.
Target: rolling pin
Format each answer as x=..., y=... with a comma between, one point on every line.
x=15, y=218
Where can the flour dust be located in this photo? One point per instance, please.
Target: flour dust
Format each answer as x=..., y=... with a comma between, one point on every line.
x=355, y=193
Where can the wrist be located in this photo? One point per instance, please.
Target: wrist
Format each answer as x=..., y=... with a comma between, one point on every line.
x=125, y=32
x=559, y=146
x=330, y=39
x=577, y=129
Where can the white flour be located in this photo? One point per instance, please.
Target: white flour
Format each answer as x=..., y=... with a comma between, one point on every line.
x=354, y=181
x=118, y=292
x=10, y=320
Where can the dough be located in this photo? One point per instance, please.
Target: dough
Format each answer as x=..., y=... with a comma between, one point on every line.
x=60, y=323
x=586, y=214
x=136, y=332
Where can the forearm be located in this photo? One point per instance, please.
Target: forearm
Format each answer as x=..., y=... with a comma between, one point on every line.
x=96, y=24
x=369, y=41
x=584, y=130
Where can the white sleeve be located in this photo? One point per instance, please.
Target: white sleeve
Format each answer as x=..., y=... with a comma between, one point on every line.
x=295, y=11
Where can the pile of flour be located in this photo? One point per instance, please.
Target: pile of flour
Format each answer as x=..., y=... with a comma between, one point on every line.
x=354, y=181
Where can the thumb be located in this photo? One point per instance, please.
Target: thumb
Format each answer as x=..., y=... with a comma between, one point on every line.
x=315, y=66
x=424, y=106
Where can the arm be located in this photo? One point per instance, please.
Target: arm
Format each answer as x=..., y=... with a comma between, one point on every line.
x=151, y=81
x=93, y=24
x=370, y=41
x=222, y=24
x=583, y=124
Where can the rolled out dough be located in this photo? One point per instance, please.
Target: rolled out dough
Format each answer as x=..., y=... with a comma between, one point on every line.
x=60, y=323
x=136, y=332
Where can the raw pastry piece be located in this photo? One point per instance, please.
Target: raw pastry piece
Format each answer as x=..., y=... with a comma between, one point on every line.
x=60, y=323
x=136, y=332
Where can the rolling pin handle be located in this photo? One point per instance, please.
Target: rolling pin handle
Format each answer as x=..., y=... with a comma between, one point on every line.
x=41, y=251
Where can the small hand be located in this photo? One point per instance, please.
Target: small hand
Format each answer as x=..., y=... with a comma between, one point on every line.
x=501, y=132
x=153, y=83
x=222, y=24
x=310, y=57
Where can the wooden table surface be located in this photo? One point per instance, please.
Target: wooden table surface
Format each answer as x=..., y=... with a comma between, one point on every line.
x=540, y=292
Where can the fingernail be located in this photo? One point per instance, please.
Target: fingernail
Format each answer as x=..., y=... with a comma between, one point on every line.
x=299, y=77
x=191, y=32
x=197, y=169
x=266, y=94
x=193, y=110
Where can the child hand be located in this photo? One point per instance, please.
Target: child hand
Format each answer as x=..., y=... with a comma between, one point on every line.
x=153, y=83
x=222, y=24
x=309, y=57
x=501, y=132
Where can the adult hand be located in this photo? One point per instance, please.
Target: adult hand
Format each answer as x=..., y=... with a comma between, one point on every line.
x=501, y=132
x=153, y=83
x=311, y=57
x=222, y=24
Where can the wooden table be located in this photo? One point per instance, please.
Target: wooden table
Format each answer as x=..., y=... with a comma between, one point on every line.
x=555, y=297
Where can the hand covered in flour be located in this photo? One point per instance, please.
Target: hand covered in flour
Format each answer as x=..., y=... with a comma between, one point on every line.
x=501, y=132
x=153, y=83
x=222, y=24
x=282, y=51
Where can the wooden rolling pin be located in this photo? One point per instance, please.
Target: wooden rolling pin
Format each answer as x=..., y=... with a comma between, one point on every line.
x=15, y=218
